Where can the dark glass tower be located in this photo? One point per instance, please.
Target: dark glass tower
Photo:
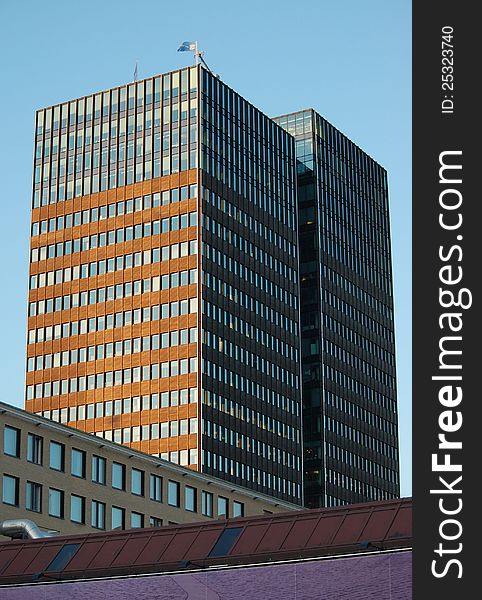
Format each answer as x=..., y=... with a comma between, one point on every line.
x=347, y=324
x=251, y=409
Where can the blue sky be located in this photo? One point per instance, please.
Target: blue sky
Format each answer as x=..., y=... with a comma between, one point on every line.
x=349, y=60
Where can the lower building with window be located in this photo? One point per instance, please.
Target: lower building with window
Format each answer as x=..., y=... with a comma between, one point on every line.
x=69, y=481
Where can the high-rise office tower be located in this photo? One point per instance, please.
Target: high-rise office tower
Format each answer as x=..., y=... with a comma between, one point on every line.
x=347, y=324
x=163, y=301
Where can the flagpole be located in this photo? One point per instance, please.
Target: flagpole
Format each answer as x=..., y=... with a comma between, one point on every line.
x=197, y=54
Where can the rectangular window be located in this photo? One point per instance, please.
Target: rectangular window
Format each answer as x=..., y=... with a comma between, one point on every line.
x=173, y=493
x=137, y=520
x=118, y=476
x=10, y=490
x=56, y=503
x=137, y=482
x=223, y=507
x=77, y=509
x=155, y=522
x=34, y=448
x=57, y=456
x=207, y=504
x=33, y=497
x=238, y=509
x=155, y=488
x=190, y=499
x=118, y=518
x=11, y=441
x=98, y=469
x=98, y=514
x=77, y=467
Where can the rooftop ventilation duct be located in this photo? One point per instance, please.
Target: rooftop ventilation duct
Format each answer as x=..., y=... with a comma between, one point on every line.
x=22, y=529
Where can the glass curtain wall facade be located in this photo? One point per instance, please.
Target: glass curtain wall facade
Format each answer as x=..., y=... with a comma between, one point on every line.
x=250, y=336
x=347, y=324
x=115, y=334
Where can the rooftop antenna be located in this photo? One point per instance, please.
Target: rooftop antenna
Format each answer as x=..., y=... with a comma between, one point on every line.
x=136, y=71
x=198, y=54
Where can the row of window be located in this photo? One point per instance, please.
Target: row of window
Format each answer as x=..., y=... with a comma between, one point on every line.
x=225, y=261
x=98, y=472
x=247, y=358
x=114, y=237
x=151, y=284
x=250, y=250
x=126, y=290
x=97, y=381
x=138, y=433
x=77, y=510
x=351, y=153
x=246, y=166
x=348, y=160
x=262, y=337
x=119, y=319
x=118, y=263
x=357, y=363
x=252, y=475
x=72, y=153
x=241, y=411
x=359, y=341
x=246, y=329
x=356, y=291
x=251, y=223
x=358, y=316
x=262, y=395
x=68, y=152
x=122, y=171
x=250, y=415
x=92, y=269
x=118, y=175
x=364, y=491
x=261, y=257
x=358, y=437
x=115, y=209
x=355, y=232
x=358, y=231
x=121, y=407
x=358, y=263
x=354, y=198
x=350, y=408
x=363, y=464
x=158, y=341
x=105, y=122
x=249, y=444
x=165, y=88
x=359, y=389
x=244, y=384
x=238, y=176
x=296, y=124
x=123, y=262
x=220, y=287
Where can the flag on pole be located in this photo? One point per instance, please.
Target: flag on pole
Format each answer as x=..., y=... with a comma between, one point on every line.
x=187, y=47
x=136, y=72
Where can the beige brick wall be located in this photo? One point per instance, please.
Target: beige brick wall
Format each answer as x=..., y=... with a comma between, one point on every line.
x=19, y=467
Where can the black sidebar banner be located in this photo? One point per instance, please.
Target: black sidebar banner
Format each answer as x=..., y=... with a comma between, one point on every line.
x=447, y=332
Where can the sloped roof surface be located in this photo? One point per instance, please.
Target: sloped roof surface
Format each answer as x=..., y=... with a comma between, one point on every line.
x=284, y=536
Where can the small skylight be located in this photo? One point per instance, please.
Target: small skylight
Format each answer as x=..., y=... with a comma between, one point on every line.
x=63, y=557
x=226, y=541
